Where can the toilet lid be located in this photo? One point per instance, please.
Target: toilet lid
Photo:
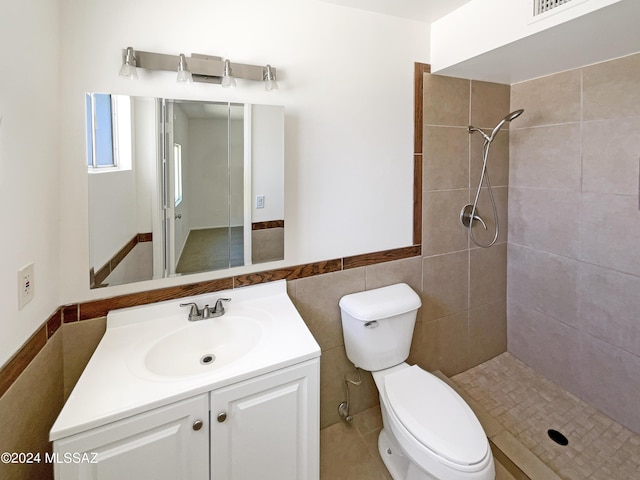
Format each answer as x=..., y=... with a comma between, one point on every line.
x=436, y=415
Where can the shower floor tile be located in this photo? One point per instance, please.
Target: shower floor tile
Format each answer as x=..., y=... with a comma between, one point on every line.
x=527, y=404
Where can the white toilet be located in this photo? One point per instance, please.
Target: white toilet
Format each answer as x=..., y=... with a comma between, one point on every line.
x=429, y=432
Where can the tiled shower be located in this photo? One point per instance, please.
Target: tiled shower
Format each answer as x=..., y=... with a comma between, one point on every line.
x=574, y=233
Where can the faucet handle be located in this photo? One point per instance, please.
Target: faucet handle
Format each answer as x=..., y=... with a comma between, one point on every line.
x=218, y=309
x=194, y=311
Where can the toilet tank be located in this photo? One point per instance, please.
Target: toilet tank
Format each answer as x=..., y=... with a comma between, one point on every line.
x=378, y=325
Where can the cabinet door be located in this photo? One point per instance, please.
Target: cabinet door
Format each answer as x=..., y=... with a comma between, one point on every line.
x=165, y=443
x=267, y=428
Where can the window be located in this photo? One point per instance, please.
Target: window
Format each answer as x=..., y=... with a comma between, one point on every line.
x=177, y=176
x=109, y=135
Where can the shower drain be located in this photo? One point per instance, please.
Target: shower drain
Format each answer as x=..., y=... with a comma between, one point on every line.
x=207, y=359
x=558, y=437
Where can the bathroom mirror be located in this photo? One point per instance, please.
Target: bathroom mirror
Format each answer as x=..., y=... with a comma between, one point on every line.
x=181, y=186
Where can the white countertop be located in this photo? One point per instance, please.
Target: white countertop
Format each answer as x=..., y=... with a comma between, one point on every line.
x=114, y=386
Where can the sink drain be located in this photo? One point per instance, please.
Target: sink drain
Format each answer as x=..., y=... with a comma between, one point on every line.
x=207, y=359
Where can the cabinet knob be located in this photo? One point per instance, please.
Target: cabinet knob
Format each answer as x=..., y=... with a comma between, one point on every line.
x=197, y=425
x=222, y=416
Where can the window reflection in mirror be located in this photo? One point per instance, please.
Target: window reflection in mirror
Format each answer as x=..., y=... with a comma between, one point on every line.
x=203, y=190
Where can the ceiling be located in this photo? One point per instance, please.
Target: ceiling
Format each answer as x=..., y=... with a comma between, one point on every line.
x=426, y=11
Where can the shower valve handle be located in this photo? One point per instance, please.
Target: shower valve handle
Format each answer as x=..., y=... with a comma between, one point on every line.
x=477, y=217
x=466, y=218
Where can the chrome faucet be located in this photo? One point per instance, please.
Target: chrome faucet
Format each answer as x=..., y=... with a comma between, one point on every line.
x=196, y=314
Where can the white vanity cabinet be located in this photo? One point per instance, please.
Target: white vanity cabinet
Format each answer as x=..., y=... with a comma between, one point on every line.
x=263, y=428
x=235, y=397
x=267, y=428
x=165, y=443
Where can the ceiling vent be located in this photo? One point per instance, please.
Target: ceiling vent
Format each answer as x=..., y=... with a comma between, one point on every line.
x=543, y=6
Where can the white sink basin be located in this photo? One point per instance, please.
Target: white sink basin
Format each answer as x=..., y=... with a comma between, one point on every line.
x=202, y=346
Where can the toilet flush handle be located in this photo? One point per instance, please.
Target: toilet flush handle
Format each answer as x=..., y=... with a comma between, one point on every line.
x=371, y=324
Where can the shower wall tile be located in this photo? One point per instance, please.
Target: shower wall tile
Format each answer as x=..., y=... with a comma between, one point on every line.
x=612, y=89
x=609, y=305
x=610, y=382
x=488, y=275
x=445, y=158
x=573, y=264
x=442, y=231
x=544, y=282
x=546, y=157
x=546, y=220
x=487, y=331
x=610, y=231
x=446, y=101
x=543, y=342
x=489, y=103
x=445, y=283
x=445, y=344
x=497, y=163
x=617, y=141
x=452, y=167
x=548, y=100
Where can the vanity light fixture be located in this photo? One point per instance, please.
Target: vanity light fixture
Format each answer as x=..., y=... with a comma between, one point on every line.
x=128, y=68
x=184, y=75
x=228, y=80
x=270, y=84
x=201, y=68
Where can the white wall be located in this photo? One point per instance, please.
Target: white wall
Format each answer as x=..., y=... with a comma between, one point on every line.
x=346, y=81
x=501, y=41
x=267, y=170
x=29, y=166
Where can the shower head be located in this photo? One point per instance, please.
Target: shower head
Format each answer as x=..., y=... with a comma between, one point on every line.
x=508, y=118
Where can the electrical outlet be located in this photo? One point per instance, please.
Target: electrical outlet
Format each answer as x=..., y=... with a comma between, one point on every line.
x=260, y=201
x=26, y=285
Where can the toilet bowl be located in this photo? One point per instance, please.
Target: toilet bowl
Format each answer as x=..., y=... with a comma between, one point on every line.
x=429, y=432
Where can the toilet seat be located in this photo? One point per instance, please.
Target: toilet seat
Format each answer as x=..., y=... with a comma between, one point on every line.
x=436, y=416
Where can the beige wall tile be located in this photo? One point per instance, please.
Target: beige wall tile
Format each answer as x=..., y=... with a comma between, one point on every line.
x=546, y=220
x=444, y=344
x=610, y=231
x=442, y=231
x=544, y=282
x=446, y=100
x=334, y=366
x=611, y=156
x=445, y=158
x=609, y=306
x=497, y=163
x=408, y=270
x=80, y=339
x=445, y=283
x=487, y=332
x=548, y=100
x=28, y=409
x=610, y=383
x=612, y=89
x=316, y=298
x=544, y=343
x=546, y=157
x=489, y=103
x=488, y=274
